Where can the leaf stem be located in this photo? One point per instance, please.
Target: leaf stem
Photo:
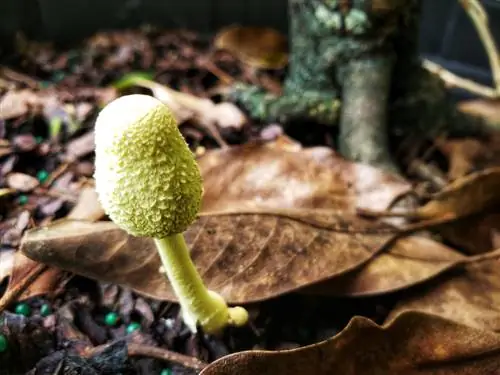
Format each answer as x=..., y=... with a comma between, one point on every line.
x=479, y=17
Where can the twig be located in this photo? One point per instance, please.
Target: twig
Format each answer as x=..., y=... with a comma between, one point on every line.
x=13, y=293
x=479, y=17
x=376, y=214
x=492, y=255
x=57, y=173
x=410, y=193
x=452, y=80
x=429, y=173
x=216, y=71
x=165, y=355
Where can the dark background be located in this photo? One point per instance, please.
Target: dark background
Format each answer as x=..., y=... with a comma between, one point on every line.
x=448, y=36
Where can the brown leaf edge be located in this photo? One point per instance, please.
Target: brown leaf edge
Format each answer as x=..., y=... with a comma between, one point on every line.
x=413, y=343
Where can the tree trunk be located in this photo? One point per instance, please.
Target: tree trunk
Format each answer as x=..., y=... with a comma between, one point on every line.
x=355, y=64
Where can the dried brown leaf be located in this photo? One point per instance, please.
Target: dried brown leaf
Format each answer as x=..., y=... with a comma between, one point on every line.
x=471, y=296
x=256, y=175
x=464, y=197
x=22, y=182
x=414, y=343
x=44, y=284
x=265, y=176
x=245, y=257
x=477, y=234
x=261, y=47
x=464, y=211
x=414, y=261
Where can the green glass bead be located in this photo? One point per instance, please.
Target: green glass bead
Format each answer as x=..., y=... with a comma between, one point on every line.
x=4, y=344
x=45, y=310
x=39, y=139
x=166, y=371
x=23, y=309
x=22, y=199
x=58, y=76
x=42, y=175
x=134, y=326
x=111, y=319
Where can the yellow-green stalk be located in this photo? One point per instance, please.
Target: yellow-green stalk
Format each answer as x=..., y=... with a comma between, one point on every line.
x=149, y=184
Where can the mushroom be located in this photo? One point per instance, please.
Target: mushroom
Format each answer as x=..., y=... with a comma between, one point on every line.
x=149, y=184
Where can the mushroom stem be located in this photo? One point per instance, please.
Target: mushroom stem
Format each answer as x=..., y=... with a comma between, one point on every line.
x=199, y=305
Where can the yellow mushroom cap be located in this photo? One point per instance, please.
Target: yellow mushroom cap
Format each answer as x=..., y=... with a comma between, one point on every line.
x=147, y=179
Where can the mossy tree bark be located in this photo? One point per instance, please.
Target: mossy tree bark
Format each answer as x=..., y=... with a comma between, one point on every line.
x=355, y=64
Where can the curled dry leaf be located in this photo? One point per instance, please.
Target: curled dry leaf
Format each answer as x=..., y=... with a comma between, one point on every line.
x=260, y=47
x=470, y=297
x=28, y=281
x=414, y=343
x=464, y=197
x=474, y=235
x=246, y=257
x=455, y=211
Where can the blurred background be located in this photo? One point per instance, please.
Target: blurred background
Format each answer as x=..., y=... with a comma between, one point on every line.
x=448, y=37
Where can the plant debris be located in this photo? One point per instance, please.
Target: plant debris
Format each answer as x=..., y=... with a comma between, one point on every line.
x=343, y=267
